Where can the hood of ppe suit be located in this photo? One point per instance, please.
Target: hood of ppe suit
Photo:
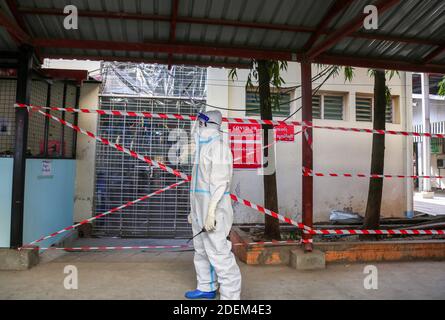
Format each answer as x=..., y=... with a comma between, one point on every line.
x=215, y=119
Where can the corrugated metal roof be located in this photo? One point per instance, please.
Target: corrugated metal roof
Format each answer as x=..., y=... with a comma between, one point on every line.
x=228, y=24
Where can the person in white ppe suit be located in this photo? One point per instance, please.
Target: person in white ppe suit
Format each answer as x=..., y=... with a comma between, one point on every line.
x=211, y=213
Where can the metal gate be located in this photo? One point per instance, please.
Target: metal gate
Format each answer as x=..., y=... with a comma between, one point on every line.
x=121, y=178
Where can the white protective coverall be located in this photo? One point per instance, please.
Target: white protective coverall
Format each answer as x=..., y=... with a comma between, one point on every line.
x=214, y=261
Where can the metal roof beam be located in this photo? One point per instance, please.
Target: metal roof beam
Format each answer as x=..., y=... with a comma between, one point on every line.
x=12, y=5
x=175, y=5
x=386, y=64
x=17, y=33
x=347, y=29
x=173, y=48
x=144, y=60
x=245, y=53
x=434, y=54
x=165, y=18
x=335, y=9
x=221, y=22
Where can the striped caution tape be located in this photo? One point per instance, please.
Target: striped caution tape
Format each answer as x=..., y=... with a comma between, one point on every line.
x=269, y=212
x=126, y=205
x=373, y=232
x=310, y=173
x=168, y=169
x=259, y=243
x=116, y=146
x=261, y=209
x=164, y=247
x=153, y=115
x=233, y=120
x=376, y=131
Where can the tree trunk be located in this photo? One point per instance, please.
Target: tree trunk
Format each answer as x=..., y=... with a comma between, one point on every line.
x=272, y=226
x=372, y=216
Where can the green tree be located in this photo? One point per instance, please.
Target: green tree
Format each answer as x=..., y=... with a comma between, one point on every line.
x=267, y=74
x=375, y=191
x=382, y=97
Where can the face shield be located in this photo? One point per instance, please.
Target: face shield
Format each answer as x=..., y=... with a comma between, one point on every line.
x=197, y=123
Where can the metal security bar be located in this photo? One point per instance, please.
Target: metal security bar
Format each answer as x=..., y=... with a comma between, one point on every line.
x=7, y=116
x=436, y=127
x=36, y=129
x=42, y=143
x=120, y=178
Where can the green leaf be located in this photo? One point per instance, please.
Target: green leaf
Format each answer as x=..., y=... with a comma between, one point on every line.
x=233, y=74
x=348, y=73
x=441, y=91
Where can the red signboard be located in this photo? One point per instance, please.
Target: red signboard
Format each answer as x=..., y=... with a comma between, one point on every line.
x=246, y=142
x=285, y=132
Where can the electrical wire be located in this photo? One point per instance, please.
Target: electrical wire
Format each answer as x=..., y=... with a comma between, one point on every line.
x=313, y=94
x=316, y=77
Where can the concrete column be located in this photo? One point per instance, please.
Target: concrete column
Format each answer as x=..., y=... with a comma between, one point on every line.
x=426, y=144
x=406, y=111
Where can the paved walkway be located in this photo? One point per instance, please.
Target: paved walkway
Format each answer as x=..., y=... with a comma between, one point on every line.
x=435, y=206
x=156, y=275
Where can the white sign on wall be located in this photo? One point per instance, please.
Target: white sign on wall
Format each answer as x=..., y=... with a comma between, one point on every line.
x=47, y=168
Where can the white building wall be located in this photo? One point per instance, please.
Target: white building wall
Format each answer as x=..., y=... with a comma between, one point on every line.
x=86, y=147
x=334, y=151
x=86, y=154
x=437, y=109
x=437, y=114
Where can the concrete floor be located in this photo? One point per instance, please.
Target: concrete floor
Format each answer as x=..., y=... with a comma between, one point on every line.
x=166, y=275
x=434, y=207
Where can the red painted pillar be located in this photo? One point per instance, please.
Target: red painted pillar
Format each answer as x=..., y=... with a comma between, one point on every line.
x=307, y=149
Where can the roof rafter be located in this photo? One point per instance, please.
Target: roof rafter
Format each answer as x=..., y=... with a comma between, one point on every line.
x=246, y=53
x=433, y=54
x=220, y=22
x=174, y=16
x=335, y=9
x=144, y=60
x=163, y=47
x=12, y=5
x=17, y=33
x=365, y=62
x=347, y=29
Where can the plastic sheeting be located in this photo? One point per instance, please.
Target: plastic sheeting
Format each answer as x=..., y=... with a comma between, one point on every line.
x=119, y=179
x=153, y=80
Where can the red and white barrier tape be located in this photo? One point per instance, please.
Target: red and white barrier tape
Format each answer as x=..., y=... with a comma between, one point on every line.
x=374, y=232
x=185, y=246
x=153, y=115
x=126, y=205
x=389, y=132
x=233, y=120
x=170, y=170
x=117, y=146
x=269, y=212
x=310, y=173
x=259, y=243
x=306, y=229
